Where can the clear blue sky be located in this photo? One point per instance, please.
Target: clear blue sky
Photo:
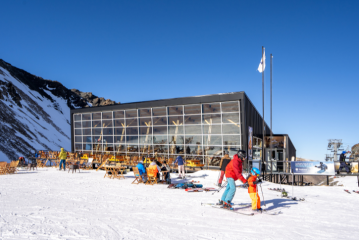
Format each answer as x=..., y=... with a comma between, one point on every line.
x=144, y=50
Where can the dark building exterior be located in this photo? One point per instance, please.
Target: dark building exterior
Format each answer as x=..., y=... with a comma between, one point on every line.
x=200, y=127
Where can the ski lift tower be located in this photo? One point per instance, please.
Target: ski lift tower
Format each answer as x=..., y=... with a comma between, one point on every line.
x=334, y=146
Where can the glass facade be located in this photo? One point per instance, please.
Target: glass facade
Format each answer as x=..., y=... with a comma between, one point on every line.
x=198, y=131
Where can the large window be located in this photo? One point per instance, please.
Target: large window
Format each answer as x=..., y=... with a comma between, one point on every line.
x=197, y=131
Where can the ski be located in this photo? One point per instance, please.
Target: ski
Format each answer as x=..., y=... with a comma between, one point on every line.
x=200, y=189
x=276, y=189
x=264, y=211
x=347, y=191
x=193, y=181
x=194, y=190
x=356, y=191
x=234, y=211
x=271, y=213
x=234, y=204
x=296, y=199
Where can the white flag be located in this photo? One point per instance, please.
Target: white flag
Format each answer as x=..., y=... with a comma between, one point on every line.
x=260, y=69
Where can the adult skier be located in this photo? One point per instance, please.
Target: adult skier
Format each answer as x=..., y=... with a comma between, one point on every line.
x=233, y=173
x=342, y=162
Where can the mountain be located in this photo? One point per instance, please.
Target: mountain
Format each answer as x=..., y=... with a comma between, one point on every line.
x=35, y=112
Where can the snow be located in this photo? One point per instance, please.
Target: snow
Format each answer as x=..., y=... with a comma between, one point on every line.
x=50, y=88
x=52, y=204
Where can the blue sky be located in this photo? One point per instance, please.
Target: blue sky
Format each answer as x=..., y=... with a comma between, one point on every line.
x=131, y=51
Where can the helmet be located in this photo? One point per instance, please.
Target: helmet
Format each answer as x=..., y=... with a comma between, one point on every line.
x=255, y=171
x=241, y=153
x=344, y=152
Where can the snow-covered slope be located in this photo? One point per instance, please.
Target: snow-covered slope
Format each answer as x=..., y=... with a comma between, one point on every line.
x=35, y=123
x=52, y=204
x=35, y=113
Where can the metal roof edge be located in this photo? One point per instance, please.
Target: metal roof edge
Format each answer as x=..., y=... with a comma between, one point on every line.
x=162, y=102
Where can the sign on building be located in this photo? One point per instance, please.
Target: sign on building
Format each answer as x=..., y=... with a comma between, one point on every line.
x=313, y=168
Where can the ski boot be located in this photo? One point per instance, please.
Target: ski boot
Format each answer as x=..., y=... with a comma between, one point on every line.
x=220, y=203
x=260, y=210
x=228, y=205
x=219, y=185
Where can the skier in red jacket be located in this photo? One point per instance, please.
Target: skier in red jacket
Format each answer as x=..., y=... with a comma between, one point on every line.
x=233, y=173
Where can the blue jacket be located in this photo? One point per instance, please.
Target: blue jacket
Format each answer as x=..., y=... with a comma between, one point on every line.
x=179, y=161
x=141, y=168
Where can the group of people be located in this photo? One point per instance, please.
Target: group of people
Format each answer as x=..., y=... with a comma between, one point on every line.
x=155, y=168
x=232, y=169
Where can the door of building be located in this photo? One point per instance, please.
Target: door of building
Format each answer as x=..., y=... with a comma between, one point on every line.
x=274, y=159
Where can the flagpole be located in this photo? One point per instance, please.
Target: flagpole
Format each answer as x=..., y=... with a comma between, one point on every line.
x=263, y=108
x=271, y=129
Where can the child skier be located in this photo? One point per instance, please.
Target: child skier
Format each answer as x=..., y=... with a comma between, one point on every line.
x=252, y=189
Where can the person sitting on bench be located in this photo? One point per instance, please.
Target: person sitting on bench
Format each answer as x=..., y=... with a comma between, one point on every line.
x=142, y=170
x=167, y=168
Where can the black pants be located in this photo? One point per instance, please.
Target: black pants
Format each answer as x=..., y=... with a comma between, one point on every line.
x=344, y=165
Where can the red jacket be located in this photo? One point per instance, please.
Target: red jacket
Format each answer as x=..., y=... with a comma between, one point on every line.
x=234, y=169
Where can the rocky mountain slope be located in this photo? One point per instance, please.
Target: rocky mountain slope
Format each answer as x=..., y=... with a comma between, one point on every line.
x=35, y=112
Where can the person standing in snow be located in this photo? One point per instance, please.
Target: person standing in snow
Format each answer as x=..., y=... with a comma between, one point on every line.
x=222, y=166
x=233, y=172
x=342, y=162
x=62, y=157
x=180, y=163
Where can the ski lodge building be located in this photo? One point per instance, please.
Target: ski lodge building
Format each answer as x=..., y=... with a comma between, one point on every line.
x=198, y=128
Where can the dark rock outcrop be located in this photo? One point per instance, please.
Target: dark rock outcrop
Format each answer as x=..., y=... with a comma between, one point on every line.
x=74, y=97
x=35, y=112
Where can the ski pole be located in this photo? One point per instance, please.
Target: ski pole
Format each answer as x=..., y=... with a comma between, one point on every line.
x=225, y=185
x=262, y=195
x=218, y=176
